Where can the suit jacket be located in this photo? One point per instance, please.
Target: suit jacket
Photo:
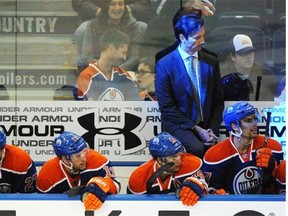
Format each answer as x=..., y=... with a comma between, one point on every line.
x=175, y=96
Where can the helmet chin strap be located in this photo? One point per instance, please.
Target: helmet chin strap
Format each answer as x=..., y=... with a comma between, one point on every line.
x=70, y=167
x=238, y=135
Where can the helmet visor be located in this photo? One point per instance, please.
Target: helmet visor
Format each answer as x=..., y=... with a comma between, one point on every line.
x=85, y=153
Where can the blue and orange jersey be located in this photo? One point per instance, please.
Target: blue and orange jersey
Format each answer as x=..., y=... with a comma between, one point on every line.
x=226, y=168
x=280, y=176
x=137, y=181
x=93, y=84
x=54, y=178
x=17, y=172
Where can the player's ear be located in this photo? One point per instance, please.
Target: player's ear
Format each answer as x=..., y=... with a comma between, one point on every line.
x=236, y=127
x=64, y=159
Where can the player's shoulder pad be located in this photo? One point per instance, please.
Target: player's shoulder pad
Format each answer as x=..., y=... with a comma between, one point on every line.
x=271, y=143
x=49, y=165
x=219, y=152
x=17, y=159
x=190, y=163
x=139, y=171
x=139, y=177
x=281, y=172
x=96, y=160
x=50, y=175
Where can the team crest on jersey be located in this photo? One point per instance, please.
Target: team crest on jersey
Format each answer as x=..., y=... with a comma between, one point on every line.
x=111, y=94
x=247, y=181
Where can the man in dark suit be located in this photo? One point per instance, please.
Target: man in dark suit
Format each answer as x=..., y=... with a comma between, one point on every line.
x=194, y=124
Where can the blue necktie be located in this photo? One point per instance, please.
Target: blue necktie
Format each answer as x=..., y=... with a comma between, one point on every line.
x=193, y=77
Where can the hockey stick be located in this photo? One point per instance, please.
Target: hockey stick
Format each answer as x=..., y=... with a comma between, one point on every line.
x=267, y=128
x=262, y=182
x=75, y=191
x=259, y=78
x=156, y=174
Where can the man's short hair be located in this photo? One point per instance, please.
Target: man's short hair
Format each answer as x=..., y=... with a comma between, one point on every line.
x=114, y=37
x=188, y=24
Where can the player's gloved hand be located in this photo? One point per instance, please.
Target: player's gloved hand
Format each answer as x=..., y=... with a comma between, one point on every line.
x=217, y=191
x=94, y=195
x=264, y=159
x=191, y=190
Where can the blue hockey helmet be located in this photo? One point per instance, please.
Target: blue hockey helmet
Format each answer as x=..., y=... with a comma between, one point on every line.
x=2, y=138
x=164, y=145
x=68, y=143
x=234, y=113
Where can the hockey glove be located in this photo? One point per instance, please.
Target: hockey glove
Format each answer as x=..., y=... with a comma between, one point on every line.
x=265, y=159
x=217, y=191
x=191, y=190
x=94, y=195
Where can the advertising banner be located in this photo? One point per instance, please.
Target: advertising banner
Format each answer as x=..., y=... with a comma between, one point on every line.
x=41, y=23
x=119, y=130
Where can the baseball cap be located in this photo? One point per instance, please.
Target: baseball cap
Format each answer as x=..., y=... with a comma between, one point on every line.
x=242, y=44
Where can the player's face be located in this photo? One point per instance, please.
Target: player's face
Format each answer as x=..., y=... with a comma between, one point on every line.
x=120, y=54
x=244, y=61
x=177, y=160
x=194, y=42
x=249, y=126
x=116, y=9
x=79, y=160
x=145, y=76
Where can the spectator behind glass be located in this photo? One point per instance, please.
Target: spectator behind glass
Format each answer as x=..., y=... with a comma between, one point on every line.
x=142, y=10
x=3, y=93
x=146, y=78
x=114, y=14
x=104, y=80
x=194, y=126
x=245, y=70
x=17, y=169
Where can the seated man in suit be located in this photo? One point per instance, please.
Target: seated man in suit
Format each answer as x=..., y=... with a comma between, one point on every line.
x=191, y=108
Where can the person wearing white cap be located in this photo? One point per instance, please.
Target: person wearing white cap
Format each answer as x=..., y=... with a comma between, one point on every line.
x=244, y=67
